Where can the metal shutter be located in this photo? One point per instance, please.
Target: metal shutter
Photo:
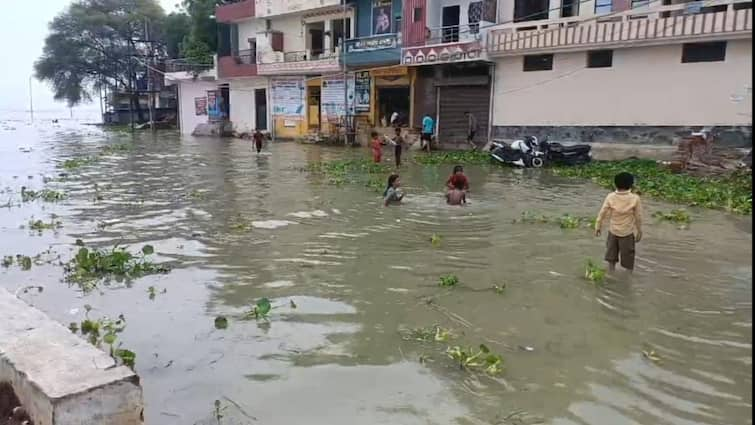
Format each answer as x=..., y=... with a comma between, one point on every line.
x=452, y=124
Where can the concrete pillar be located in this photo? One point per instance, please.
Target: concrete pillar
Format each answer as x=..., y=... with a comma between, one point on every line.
x=329, y=43
x=59, y=378
x=506, y=11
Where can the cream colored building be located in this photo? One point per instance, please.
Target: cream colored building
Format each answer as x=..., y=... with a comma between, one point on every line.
x=623, y=71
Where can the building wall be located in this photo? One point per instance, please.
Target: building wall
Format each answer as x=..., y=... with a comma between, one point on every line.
x=250, y=29
x=646, y=86
x=242, y=103
x=187, y=92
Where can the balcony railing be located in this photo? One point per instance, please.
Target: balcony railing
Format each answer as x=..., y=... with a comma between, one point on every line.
x=641, y=26
x=453, y=34
x=234, y=10
x=240, y=64
x=183, y=65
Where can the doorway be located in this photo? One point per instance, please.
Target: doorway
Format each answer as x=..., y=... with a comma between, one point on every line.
x=393, y=99
x=450, y=24
x=316, y=32
x=260, y=109
x=313, y=107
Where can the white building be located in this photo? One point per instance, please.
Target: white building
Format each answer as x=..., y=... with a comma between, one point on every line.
x=641, y=71
x=196, y=87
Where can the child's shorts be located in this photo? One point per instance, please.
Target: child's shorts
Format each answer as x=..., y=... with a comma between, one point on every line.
x=620, y=249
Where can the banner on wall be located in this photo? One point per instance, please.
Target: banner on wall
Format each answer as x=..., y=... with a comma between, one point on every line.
x=214, y=105
x=331, y=97
x=362, y=91
x=381, y=17
x=200, y=106
x=288, y=98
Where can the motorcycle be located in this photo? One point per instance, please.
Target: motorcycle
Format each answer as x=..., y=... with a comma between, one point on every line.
x=521, y=153
x=566, y=155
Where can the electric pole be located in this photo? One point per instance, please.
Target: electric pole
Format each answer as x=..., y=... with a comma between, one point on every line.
x=31, y=99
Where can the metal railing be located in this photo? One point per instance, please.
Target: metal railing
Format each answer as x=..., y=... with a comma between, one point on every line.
x=184, y=65
x=642, y=25
x=453, y=34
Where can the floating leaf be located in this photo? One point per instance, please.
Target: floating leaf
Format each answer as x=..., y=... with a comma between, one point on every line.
x=292, y=303
x=594, y=273
x=449, y=280
x=221, y=322
x=148, y=250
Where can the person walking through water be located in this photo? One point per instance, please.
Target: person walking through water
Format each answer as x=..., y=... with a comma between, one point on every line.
x=471, y=128
x=428, y=127
x=377, y=147
x=398, y=143
x=258, y=138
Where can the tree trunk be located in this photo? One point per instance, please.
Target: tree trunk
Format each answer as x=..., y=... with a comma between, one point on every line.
x=137, y=107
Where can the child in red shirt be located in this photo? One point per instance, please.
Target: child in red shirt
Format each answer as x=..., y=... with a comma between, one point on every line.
x=458, y=177
x=377, y=147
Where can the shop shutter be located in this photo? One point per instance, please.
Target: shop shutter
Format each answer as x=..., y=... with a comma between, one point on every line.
x=452, y=124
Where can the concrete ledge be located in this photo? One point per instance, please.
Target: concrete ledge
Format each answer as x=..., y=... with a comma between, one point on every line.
x=59, y=378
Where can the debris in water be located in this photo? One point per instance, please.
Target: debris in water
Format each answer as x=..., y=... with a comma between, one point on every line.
x=221, y=322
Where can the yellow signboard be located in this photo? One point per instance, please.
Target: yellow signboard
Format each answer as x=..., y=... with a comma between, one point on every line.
x=394, y=71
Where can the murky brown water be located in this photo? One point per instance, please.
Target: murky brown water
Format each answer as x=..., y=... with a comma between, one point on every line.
x=359, y=273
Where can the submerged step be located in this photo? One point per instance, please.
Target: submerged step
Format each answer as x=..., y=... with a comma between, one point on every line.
x=59, y=378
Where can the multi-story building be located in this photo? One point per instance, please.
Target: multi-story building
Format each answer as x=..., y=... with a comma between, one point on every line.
x=621, y=70
x=443, y=43
x=202, y=98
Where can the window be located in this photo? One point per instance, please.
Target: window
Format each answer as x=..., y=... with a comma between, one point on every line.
x=603, y=6
x=600, y=59
x=569, y=8
x=538, y=63
x=417, y=14
x=640, y=3
x=704, y=52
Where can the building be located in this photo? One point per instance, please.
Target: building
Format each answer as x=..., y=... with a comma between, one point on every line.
x=621, y=70
x=443, y=45
x=119, y=108
x=247, y=91
x=202, y=98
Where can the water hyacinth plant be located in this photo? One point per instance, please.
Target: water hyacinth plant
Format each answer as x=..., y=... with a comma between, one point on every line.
x=594, y=273
x=482, y=359
x=449, y=280
x=89, y=266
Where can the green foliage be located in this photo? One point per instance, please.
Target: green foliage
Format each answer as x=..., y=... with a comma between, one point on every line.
x=594, y=273
x=7, y=261
x=499, y=289
x=46, y=195
x=90, y=45
x=566, y=221
x=453, y=157
x=449, y=280
x=221, y=322
x=74, y=163
x=196, y=51
x=88, y=266
x=105, y=331
x=40, y=226
x=261, y=309
x=435, y=240
x=176, y=27
x=482, y=359
x=353, y=171
x=732, y=192
x=430, y=334
x=152, y=292
x=676, y=216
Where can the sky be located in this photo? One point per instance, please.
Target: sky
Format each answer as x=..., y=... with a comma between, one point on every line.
x=23, y=28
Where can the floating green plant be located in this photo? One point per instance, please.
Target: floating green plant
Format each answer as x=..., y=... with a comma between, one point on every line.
x=449, y=280
x=594, y=273
x=88, y=266
x=680, y=216
x=482, y=359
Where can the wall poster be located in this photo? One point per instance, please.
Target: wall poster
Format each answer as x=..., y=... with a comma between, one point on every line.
x=331, y=97
x=200, y=106
x=288, y=98
x=381, y=17
x=362, y=85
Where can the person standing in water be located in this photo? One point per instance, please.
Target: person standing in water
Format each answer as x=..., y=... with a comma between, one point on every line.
x=377, y=147
x=428, y=127
x=624, y=211
x=471, y=128
x=398, y=143
x=258, y=138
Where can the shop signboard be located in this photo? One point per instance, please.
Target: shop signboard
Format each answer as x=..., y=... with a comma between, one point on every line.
x=362, y=85
x=447, y=53
x=331, y=97
x=288, y=98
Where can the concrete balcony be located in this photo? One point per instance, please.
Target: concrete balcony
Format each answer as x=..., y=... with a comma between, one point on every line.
x=269, y=8
x=184, y=70
x=682, y=23
x=373, y=50
x=458, y=43
x=240, y=64
x=234, y=11
x=299, y=63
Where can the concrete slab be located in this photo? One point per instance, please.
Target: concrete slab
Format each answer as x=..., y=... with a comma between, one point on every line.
x=59, y=378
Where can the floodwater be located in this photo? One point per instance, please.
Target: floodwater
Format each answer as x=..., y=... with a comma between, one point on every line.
x=236, y=227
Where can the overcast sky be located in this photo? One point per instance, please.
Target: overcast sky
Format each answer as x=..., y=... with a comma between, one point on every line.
x=23, y=28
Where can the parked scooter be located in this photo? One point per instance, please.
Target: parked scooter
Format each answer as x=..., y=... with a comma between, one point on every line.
x=521, y=153
x=557, y=153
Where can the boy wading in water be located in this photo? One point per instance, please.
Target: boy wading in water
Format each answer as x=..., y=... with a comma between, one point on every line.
x=398, y=143
x=624, y=211
x=258, y=138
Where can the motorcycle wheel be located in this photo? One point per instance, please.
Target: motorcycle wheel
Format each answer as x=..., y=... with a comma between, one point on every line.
x=537, y=162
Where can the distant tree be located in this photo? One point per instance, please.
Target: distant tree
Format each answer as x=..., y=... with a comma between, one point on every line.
x=175, y=29
x=98, y=43
x=204, y=28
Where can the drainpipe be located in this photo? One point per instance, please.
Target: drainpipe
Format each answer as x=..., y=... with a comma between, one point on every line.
x=491, y=113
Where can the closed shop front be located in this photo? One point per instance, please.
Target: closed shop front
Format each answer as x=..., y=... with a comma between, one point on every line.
x=455, y=100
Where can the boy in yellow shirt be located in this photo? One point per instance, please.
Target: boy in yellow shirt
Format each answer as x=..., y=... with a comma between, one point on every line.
x=624, y=211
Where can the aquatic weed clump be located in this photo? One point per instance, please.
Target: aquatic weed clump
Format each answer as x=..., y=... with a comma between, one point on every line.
x=89, y=266
x=453, y=157
x=352, y=171
x=732, y=192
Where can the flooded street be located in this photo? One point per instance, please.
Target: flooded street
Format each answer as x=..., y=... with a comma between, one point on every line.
x=236, y=227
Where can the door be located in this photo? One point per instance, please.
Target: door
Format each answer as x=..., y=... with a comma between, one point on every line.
x=260, y=109
x=450, y=32
x=316, y=38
